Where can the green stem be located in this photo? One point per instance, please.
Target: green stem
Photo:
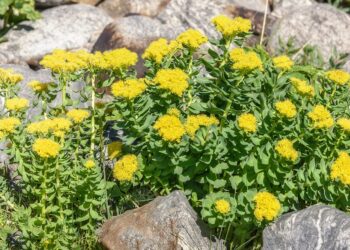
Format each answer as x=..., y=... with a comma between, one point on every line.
x=64, y=93
x=93, y=132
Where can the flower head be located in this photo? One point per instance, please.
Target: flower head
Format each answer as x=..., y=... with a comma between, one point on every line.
x=16, y=104
x=170, y=128
x=286, y=108
x=222, y=206
x=338, y=76
x=37, y=86
x=302, y=87
x=125, y=168
x=286, y=150
x=120, y=58
x=321, y=117
x=194, y=122
x=174, y=111
x=344, y=123
x=341, y=168
x=114, y=149
x=90, y=163
x=283, y=62
x=129, y=89
x=8, y=124
x=247, y=122
x=157, y=50
x=57, y=126
x=191, y=38
x=231, y=27
x=78, y=115
x=173, y=80
x=267, y=206
x=46, y=148
x=9, y=78
x=245, y=61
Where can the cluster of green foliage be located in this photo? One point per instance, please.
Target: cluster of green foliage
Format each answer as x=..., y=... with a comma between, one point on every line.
x=341, y=4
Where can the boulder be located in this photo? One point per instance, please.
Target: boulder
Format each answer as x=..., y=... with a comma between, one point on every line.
x=53, y=3
x=119, y=8
x=257, y=5
x=282, y=7
x=66, y=27
x=165, y=223
x=316, y=227
x=318, y=24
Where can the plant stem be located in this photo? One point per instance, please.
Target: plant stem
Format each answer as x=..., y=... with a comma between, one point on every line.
x=64, y=93
x=93, y=132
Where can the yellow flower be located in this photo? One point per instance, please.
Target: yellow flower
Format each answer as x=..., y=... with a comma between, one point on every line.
x=37, y=86
x=157, y=50
x=222, y=206
x=64, y=61
x=245, y=61
x=341, y=168
x=78, y=115
x=46, y=148
x=9, y=78
x=286, y=108
x=344, y=123
x=192, y=38
x=129, y=89
x=194, y=122
x=285, y=149
x=170, y=128
x=174, y=80
x=283, y=62
x=114, y=149
x=302, y=87
x=247, y=122
x=125, y=168
x=321, y=117
x=231, y=27
x=174, y=111
x=338, y=76
x=267, y=206
x=57, y=126
x=120, y=58
x=8, y=124
x=90, y=163
x=16, y=104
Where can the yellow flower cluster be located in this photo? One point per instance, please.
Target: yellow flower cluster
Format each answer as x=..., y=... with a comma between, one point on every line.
x=267, y=206
x=160, y=48
x=78, y=115
x=9, y=78
x=283, y=62
x=114, y=149
x=90, y=163
x=125, y=168
x=38, y=86
x=245, y=61
x=194, y=122
x=191, y=38
x=57, y=126
x=338, y=76
x=222, y=206
x=321, y=117
x=174, y=111
x=170, y=128
x=247, y=122
x=231, y=27
x=285, y=149
x=16, y=104
x=129, y=89
x=120, y=58
x=302, y=87
x=173, y=80
x=286, y=108
x=341, y=168
x=46, y=148
x=8, y=125
x=344, y=123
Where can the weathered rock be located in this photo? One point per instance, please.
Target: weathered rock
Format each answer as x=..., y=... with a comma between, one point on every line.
x=257, y=5
x=66, y=27
x=166, y=223
x=318, y=24
x=119, y=8
x=282, y=7
x=317, y=227
x=53, y=3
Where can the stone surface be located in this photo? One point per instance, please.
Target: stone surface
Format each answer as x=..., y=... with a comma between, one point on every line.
x=66, y=27
x=53, y=3
x=257, y=5
x=166, y=223
x=282, y=7
x=317, y=227
x=319, y=24
x=119, y=8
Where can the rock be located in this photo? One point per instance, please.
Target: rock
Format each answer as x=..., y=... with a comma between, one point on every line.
x=53, y=3
x=316, y=227
x=282, y=7
x=66, y=27
x=119, y=8
x=257, y=5
x=319, y=24
x=166, y=223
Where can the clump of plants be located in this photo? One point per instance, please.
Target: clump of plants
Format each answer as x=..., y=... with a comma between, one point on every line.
x=247, y=137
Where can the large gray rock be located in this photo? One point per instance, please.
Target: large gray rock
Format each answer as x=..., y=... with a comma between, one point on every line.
x=66, y=27
x=119, y=8
x=315, y=228
x=318, y=24
x=166, y=223
x=282, y=7
x=257, y=5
